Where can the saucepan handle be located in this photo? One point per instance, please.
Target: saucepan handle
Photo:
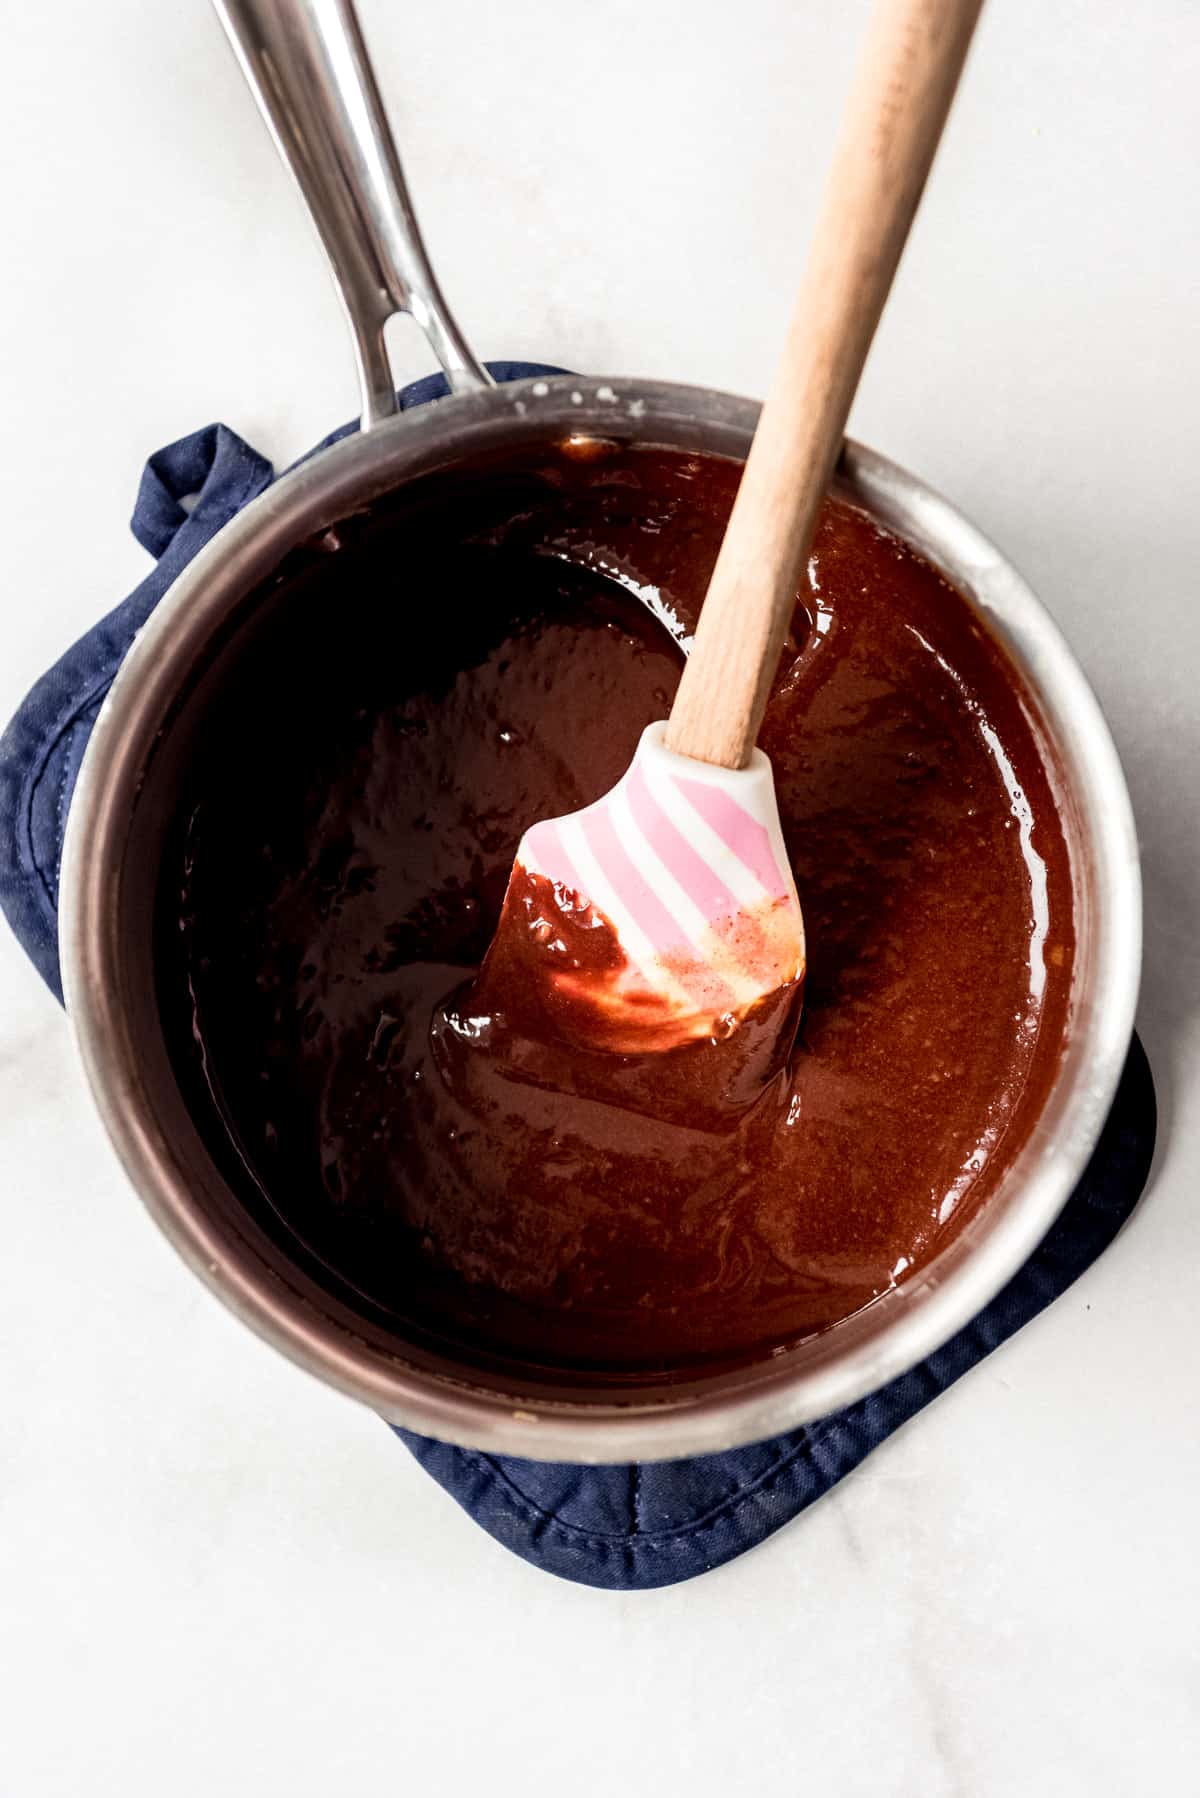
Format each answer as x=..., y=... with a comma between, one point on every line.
x=307, y=67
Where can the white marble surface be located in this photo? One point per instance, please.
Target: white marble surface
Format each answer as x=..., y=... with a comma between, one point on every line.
x=214, y=1574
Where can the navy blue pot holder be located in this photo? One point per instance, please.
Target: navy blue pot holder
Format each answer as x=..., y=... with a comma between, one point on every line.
x=629, y=1527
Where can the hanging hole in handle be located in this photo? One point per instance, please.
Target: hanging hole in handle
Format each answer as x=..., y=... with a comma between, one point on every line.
x=406, y=350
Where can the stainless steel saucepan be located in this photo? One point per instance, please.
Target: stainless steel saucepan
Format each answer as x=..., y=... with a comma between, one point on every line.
x=306, y=62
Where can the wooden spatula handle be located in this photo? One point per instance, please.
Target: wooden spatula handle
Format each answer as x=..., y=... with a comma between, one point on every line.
x=910, y=67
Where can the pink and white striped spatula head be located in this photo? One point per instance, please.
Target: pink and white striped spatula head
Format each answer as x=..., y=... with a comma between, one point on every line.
x=664, y=913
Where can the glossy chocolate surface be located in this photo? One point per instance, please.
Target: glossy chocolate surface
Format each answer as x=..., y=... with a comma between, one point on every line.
x=434, y=677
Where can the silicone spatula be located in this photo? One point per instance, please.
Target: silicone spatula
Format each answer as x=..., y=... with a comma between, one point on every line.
x=682, y=868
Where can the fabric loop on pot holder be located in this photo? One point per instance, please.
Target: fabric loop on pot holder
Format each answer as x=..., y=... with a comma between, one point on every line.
x=203, y=474
x=635, y=1526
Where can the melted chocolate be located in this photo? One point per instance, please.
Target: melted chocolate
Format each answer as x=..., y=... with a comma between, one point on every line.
x=522, y=1022
x=485, y=652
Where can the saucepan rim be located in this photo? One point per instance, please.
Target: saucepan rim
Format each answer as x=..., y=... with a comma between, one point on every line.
x=777, y=1395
